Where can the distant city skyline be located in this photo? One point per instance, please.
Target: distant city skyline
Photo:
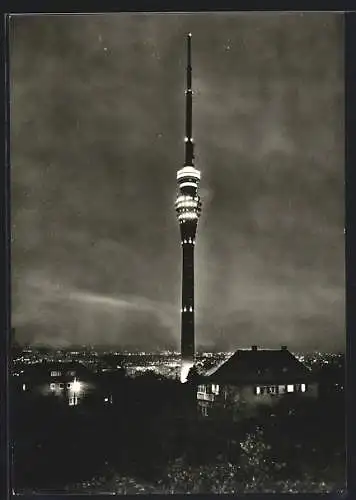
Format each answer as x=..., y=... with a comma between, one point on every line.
x=97, y=136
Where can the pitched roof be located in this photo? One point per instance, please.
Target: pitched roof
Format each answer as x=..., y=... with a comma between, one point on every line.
x=42, y=371
x=259, y=366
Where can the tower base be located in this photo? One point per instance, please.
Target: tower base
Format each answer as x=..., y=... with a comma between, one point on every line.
x=184, y=371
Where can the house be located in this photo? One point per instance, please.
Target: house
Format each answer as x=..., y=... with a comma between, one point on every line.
x=251, y=377
x=69, y=380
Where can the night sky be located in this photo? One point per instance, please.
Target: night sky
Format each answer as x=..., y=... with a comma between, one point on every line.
x=97, y=124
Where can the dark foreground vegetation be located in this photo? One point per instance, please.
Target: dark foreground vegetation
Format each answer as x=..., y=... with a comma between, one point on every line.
x=151, y=440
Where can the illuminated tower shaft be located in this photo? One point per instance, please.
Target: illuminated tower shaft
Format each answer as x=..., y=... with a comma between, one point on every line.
x=188, y=208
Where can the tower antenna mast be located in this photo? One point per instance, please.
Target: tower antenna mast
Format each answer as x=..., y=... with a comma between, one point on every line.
x=189, y=146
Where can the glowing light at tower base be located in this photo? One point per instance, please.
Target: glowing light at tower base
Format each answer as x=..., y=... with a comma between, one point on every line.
x=184, y=371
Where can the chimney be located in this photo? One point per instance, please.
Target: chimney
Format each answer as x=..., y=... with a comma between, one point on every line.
x=283, y=348
x=254, y=348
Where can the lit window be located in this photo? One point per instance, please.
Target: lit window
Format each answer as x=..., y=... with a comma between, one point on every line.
x=52, y=386
x=55, y=374
x=258, y=390
x=303, y=388
x=290, y=388
x=76, y=386
x=215, y=389
x=23, y=387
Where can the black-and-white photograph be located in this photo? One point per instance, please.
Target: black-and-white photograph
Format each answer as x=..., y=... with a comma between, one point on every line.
x=177, y=253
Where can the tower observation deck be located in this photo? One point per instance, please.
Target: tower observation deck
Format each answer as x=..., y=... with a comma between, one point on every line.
x=188, y=208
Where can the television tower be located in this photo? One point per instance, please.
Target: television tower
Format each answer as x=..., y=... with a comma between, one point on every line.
x=188, y=208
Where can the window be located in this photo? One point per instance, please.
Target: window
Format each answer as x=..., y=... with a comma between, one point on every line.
x=205, y=411
x=61, y=386
x=23, y=387
x=303, y=387
x=271, y=389
x=55, y=374
x=52, y=386
x=215, y=389
x=290, y=388
x=69, y=385
x=73, y=401
x=201, y=388
x=72, y=374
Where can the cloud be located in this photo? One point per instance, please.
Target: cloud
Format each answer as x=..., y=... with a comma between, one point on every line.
x=55, y=311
